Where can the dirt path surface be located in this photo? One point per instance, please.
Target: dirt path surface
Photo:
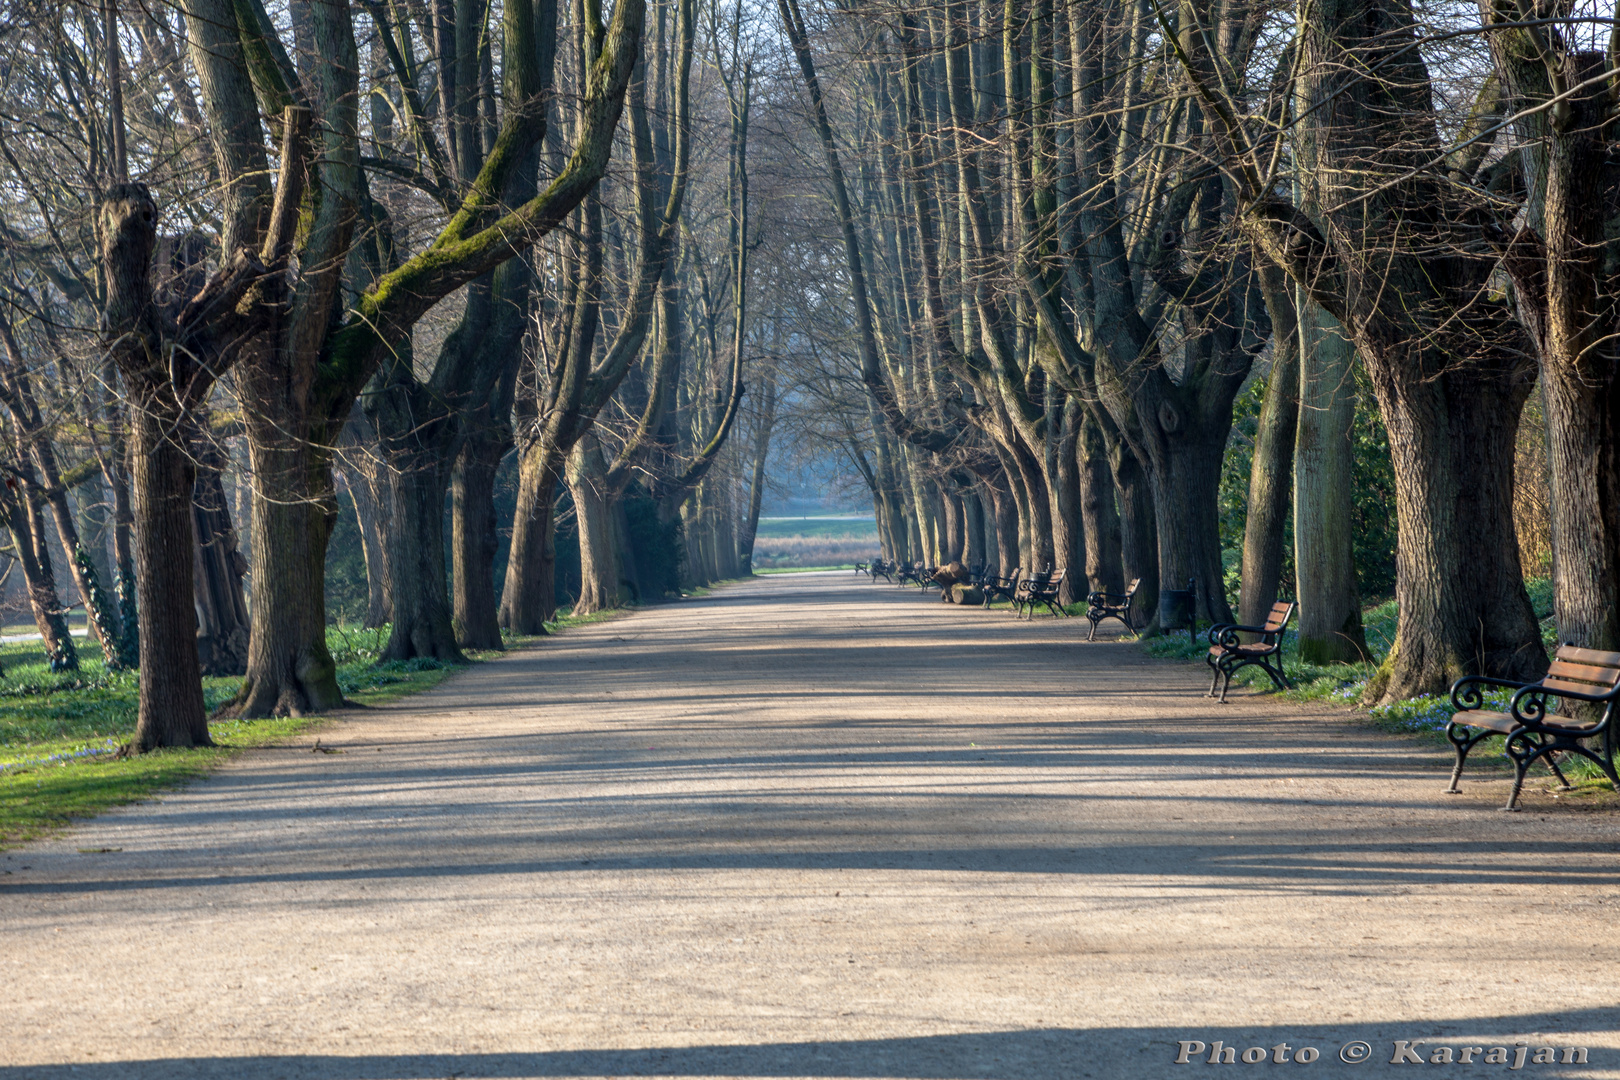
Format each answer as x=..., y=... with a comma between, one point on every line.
x=810, y=826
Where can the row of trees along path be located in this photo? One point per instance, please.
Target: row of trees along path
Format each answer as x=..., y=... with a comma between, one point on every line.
x=1015, y=266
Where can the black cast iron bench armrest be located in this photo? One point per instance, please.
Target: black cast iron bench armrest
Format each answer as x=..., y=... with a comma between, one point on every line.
x=1533, y=733
x=1220, y=630
x=1465, y=692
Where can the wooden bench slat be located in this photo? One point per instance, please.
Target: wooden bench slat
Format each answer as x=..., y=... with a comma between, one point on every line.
x=1555, y=685
x=1588, y=656
x=1489, y=721
x=1605, y=677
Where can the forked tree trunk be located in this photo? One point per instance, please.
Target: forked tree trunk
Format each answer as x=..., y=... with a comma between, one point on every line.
x=473, y=542
x=1041, y=542
x=1330, y=629
x=1563, y=264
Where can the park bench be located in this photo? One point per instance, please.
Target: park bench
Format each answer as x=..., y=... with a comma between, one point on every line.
x=1228, y=652
x=1532, y=727
x=1042, y=589
x=860, y=568
x=1003, y=588
x=1101, y=606
x=880, y=568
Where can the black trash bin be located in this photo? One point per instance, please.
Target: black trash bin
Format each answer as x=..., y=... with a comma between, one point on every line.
x=1179, y=608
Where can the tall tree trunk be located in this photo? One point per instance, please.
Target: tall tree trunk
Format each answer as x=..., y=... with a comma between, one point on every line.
x=473, y=541
x=1139, y=547
x=1068, y=536
x=756, y=486
x=975, y=550
x=417, y=436
x=124, y=586
x=290, y=668
x=1008, y=554
x=528, y=596
x=601, y=585
x=955, y=533
x=172, y=711
x=1330, y=629
x=1272, y=466
x=1564, y=264
x=1099, y=512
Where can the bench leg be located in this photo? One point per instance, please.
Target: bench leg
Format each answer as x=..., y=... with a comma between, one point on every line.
x=1464, y=742
x=1093, y=635
x=1552, y=763
x=1213, y=681
x=1524, y=752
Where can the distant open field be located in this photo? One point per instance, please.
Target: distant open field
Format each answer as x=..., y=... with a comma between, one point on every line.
x=859, y=528
x=785, y=543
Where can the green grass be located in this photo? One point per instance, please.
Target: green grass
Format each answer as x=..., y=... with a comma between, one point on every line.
x=803, y=569
x=59, y=732
x=40, y=798
x=1424, y=718
x=852, y=528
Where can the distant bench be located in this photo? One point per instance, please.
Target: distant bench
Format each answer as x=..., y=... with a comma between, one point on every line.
x=1228, y=652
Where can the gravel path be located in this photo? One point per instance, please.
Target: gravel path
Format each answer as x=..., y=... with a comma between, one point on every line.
x=809, y=826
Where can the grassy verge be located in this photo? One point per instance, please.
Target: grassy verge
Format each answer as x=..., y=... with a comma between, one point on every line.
x=59, y=731
x=802, y=569
x=1422, y=718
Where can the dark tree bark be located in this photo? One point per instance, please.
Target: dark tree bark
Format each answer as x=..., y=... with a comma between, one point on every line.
x=473, y=539
x=1401, y=258
x=166, y=372
x=1099, y=512
x=1565, y=264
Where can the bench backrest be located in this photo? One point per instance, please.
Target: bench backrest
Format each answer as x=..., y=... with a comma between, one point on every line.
x=1280, y=611
x=1583, y=671
x=1131, y=592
